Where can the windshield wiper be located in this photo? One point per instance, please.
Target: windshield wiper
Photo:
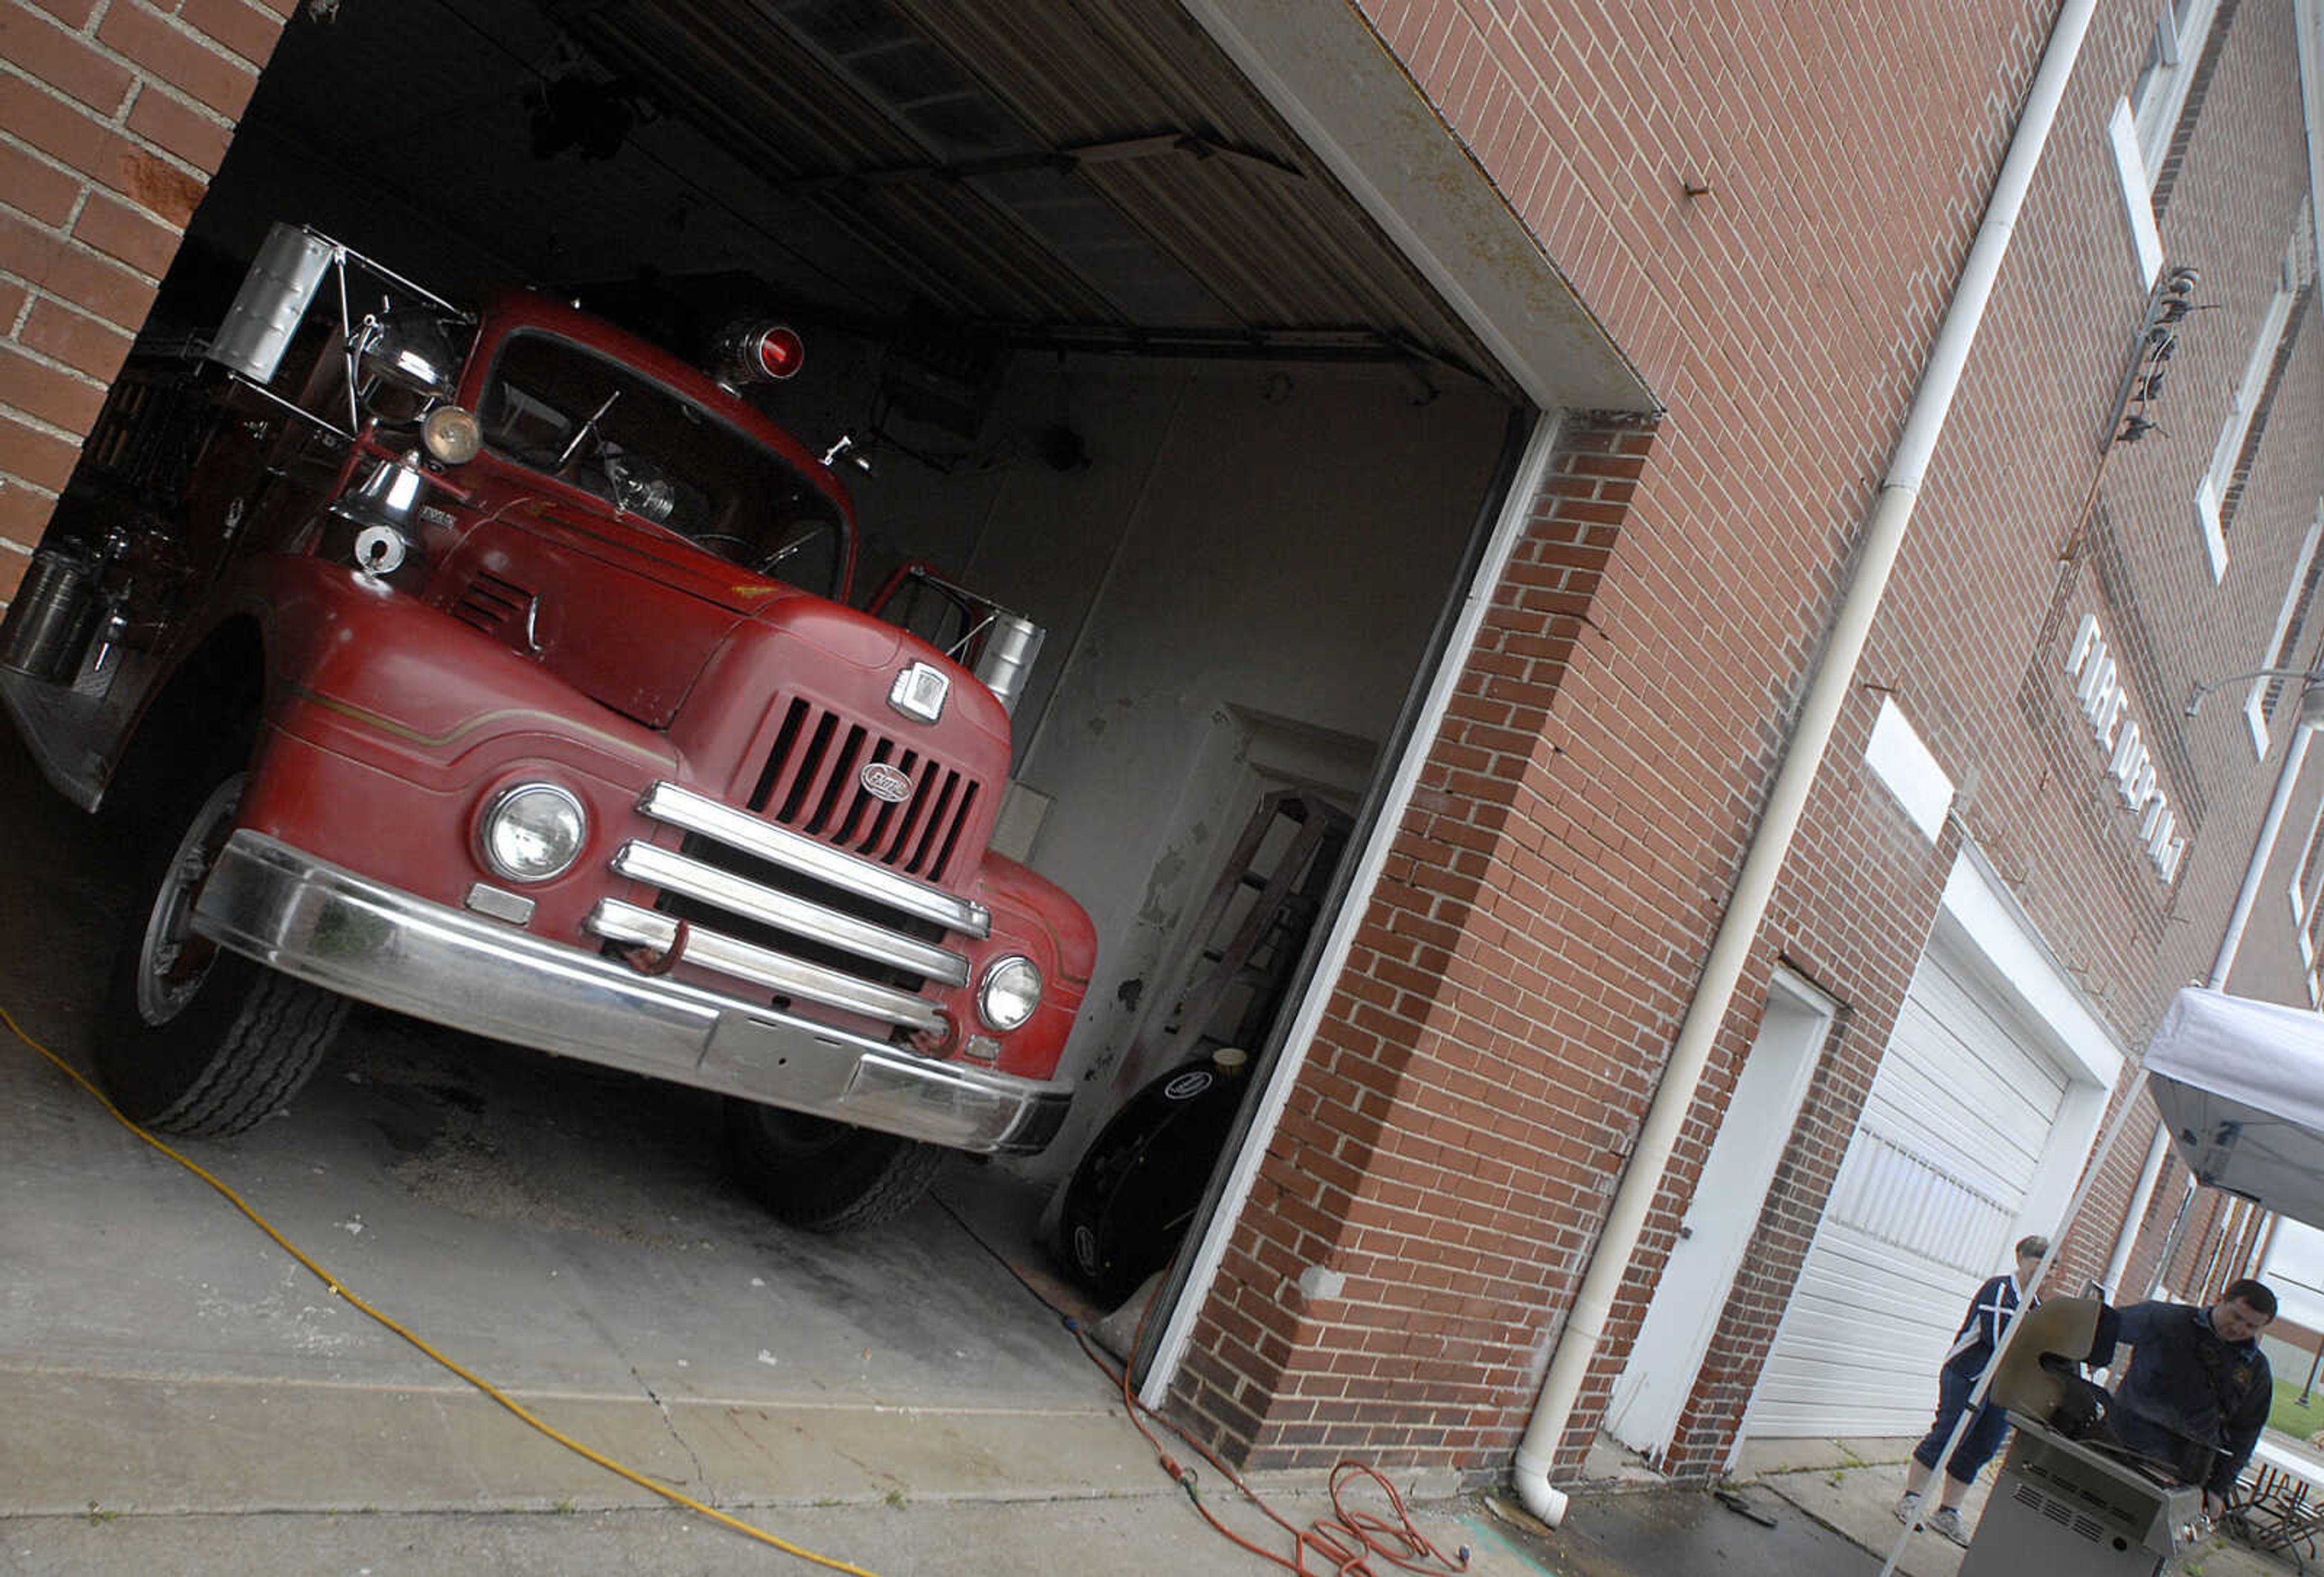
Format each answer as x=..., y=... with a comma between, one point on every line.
x=585, y=433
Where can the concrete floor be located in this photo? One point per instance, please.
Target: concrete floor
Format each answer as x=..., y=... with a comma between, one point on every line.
x=177, y=1394
x=1668, y=1533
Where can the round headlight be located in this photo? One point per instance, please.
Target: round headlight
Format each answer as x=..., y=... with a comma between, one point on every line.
x=1011, y=991
x=532, y=831
x=451, y=435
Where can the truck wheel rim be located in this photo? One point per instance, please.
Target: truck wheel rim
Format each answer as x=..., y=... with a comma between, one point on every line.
x=172, y=961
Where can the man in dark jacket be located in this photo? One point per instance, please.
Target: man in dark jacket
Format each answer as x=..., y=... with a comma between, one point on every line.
x=2197, y=1390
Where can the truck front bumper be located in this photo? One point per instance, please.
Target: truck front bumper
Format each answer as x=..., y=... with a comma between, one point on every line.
x=320, y=922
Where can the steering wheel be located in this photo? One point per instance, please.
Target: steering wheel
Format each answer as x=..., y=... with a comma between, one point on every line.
x=800, y=541
x=743, y=544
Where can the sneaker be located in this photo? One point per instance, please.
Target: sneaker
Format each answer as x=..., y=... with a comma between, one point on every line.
x=1908, y=1509
x=1947, y=1522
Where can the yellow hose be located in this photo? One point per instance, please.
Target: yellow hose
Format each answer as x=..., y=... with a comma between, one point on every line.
x=477, y=1380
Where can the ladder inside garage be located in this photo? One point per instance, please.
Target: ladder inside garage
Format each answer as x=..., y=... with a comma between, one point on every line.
x=1280, y=868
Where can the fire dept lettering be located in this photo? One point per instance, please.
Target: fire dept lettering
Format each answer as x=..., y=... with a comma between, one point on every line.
x=2106, y=703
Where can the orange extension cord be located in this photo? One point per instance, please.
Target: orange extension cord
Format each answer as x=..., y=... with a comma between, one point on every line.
x=1349, y=1538
x=482, y=1384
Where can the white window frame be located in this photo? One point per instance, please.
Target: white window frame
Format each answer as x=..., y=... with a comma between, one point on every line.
x=2137, y=194
x=2211, y=487
x=2139, y=131
x=2160, y=95
x=2304, y=896
x=2256, y=698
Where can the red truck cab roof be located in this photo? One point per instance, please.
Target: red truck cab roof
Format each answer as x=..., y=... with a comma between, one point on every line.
x=517, y=312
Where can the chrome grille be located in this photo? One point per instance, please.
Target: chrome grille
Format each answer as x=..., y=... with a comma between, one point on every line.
x=812, y=782
x=787, y=914
x=725, y=891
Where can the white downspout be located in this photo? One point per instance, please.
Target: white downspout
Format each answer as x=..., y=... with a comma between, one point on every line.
x=2134, y=1217
x=2266, y=1246
x=2287, y=778
x=1827, y=690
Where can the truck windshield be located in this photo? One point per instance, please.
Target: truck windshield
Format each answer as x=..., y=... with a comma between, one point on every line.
x=554, y=407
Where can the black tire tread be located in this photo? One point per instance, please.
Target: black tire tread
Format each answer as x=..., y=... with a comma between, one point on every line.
x=873, y=1177
x=274, y=1047
x=249, y=1039
x=901, y=1185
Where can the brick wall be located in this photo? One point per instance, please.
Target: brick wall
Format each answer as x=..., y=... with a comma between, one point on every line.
x=113, y=115
x=1407, y=1151
x=1463, y=1118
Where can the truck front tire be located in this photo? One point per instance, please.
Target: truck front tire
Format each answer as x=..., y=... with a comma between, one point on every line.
x=825, y=1177
x=197, y=1039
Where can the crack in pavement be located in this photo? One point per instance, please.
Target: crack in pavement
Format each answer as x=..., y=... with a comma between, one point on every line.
x=669, y=1421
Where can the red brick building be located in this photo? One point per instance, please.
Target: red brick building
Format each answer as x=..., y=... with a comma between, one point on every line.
x=1710, y=250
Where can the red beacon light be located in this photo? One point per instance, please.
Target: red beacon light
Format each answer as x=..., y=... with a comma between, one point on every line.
x=759, y=351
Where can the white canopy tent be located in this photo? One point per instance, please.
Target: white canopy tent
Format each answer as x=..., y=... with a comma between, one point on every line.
x=2241, y=1088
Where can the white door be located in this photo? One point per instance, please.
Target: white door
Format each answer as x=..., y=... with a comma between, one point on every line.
x=1652, y=1392
x=1928, y=1199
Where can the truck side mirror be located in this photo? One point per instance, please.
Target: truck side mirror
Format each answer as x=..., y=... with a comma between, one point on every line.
x=275, y=294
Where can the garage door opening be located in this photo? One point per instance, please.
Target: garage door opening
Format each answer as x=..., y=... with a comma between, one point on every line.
x=1123, y=356
x=1986, y=1104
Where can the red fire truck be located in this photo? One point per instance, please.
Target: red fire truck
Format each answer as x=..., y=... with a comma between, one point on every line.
x=499, y=668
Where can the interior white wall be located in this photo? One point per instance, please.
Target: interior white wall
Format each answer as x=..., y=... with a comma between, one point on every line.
x=1253, y=549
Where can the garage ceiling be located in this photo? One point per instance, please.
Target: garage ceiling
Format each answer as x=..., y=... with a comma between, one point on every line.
x=1095, y=175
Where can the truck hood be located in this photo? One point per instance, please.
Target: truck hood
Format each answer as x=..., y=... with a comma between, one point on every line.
x=721, y=659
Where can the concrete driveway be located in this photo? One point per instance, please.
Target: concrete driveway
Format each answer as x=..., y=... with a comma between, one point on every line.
x=1850, y=1485
x=177, y=1394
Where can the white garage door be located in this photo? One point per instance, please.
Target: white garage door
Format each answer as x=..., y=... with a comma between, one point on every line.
x=1926, y=1206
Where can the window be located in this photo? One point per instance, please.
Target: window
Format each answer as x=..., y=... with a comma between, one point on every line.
x=2137, y=201
x=2307, y=895
x=2161, y=93
x=2212, y=488
x=655, y=453
x=2147, y=121
x=2291, y=623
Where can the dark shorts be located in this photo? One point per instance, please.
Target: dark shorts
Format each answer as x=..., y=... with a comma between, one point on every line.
x=1978, y=1442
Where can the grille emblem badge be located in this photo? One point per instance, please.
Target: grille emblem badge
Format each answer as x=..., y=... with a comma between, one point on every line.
x=882, y=781
x=919, y=691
